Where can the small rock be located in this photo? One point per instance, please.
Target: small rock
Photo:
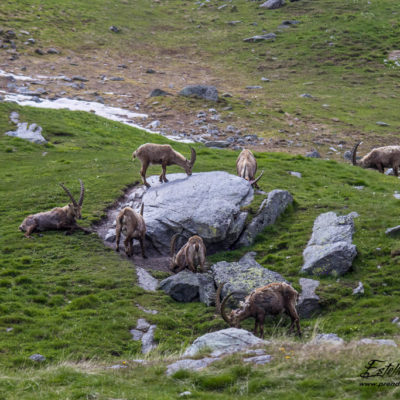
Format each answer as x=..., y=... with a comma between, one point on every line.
x=306, y=95
x=189, y=364
x=259, y=360
x=380, y=123
x=358, y=187
x=14, y=117
x=118, y=366
x=359, y=289
x=116, y=78
x=313, y=154
x=136, y=334
x=31, y=41
x=201, y=91
x=296, y=174
x=145, y=280
x=37, y=358
x=273, y=4
x=260, y=38
x=222, y=7
x=53, y=51
x=40, y=52
x=217, y=143
x=32, y=133
x=142, y=325
x=79, y=78
x=253, y=87
x=114, y=29
x=158, y=92
x=265, y=79
x=330, y=338
x=255, y=352
x=395, y=320
x=148, y=343
x=379, y=342
x=9, y=329
x=153, y=125
x=183, y=394
x=347, y=155
x=150, y=71
x=392, y=231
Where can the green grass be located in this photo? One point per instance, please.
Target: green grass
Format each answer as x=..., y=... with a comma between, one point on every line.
x=74, y=300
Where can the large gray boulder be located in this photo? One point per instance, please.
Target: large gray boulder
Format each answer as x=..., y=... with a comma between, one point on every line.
x=187, y=286
x=330, y=249
x=273, y=4
x=271, y=208
x=243, y=277
x=207, y=204
x=200, y=91
x=308, y=303
x=225, y=341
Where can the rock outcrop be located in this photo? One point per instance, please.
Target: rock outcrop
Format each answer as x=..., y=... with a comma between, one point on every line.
x=330, y=249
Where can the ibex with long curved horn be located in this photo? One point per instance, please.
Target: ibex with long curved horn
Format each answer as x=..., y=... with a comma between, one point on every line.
x=379, y=158
x=133, y=227
x=272, y=299
x=191, y=255
x=246, y=167
x=164, y=154
x=59, y=218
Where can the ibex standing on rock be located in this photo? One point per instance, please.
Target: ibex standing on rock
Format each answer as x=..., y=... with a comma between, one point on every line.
x=191, y=255
x=379, y=158
x=246, y=167
x=59, y=218
x=133, y=227
x=164, y=154
x=272, y=299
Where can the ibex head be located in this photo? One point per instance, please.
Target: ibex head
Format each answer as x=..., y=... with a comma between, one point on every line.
x=235, y=316
x=189, y=163
x=75, y=207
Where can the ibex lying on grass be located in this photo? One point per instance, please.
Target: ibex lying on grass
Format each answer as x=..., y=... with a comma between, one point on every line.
x=379, y=158
x=272, y=299
x=59, y=218
x=246, y=167
x=191, y=255
x=133, y=227
x=164, y=154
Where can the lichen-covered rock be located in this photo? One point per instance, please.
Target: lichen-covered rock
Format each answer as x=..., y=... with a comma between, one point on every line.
x=243, y=277
x=330, y=249
x=308, y=303
x=327, y=338
x=379, y=342
x=270, y=209
x=273, y=4
x=206, y=289
x=225, y=341
x=32, y=133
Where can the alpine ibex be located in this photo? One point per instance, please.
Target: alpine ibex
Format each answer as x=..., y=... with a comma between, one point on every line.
x=59, y=218
x=164, y=154
x=272, y=299
x=133, y=227
x=379, y=158
x=191, y=255
x=246, y=167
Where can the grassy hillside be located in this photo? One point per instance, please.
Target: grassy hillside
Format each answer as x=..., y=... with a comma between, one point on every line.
x=336, y=53
x=73, y=300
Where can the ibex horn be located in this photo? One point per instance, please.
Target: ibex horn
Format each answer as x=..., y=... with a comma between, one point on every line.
x=69, y=195
x=253, y=182
x=141, y=209
x=193, y=157
x=354, y=153
x=82, y=194
x=223, y=312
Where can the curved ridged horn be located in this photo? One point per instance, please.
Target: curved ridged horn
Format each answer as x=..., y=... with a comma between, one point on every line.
x=141, y=209
x=354, y=153
x=193, y=157
x=253, y=182
x=69, y=195
x=222, y=309
x=218, y=297
x=82, y=194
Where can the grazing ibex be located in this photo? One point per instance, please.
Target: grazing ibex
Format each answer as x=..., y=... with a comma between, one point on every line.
x=246, y=167
x=164, y=154
x=59, y=218
x=272, y=299
x=191, y=255
x=379, y=158
x=133, y=227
